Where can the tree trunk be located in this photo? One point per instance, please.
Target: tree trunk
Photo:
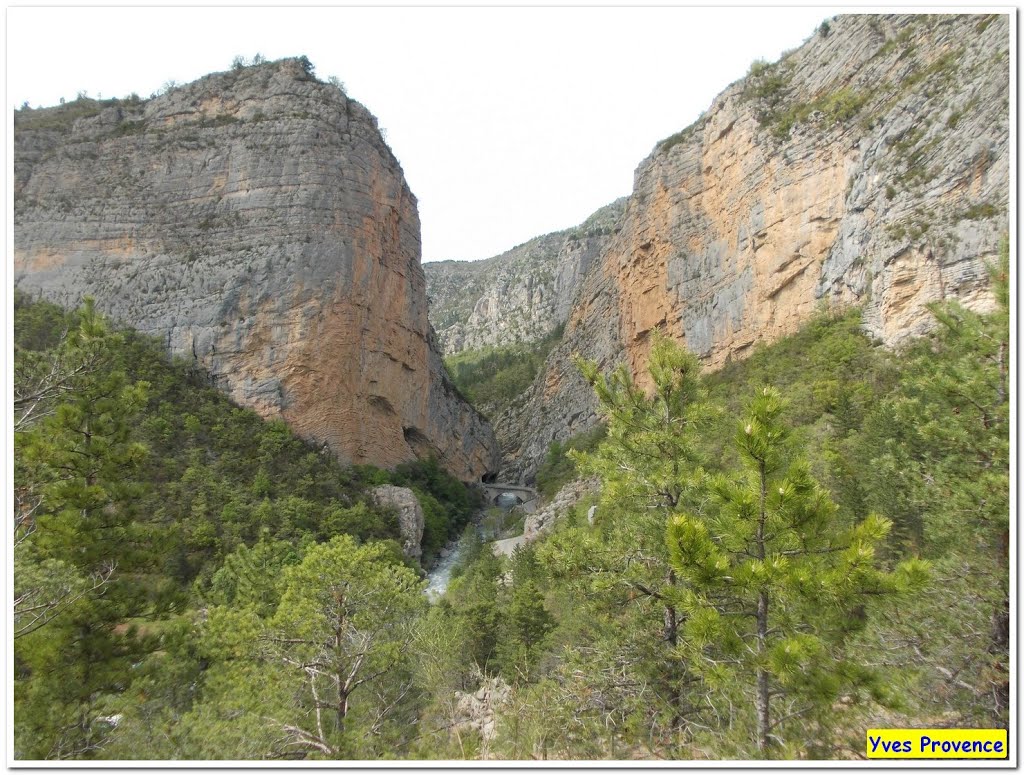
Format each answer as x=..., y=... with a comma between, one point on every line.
x=762, y=700
x=671, y=621
x=1000, y=644
x=1001, y=387
x=342, y=712
x=671, y=636
x=339, y=652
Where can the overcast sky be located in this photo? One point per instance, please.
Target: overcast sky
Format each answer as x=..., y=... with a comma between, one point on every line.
x=508, y=122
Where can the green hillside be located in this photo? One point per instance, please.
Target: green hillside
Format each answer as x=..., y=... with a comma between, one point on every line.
x=140, y=490
x=805, y=544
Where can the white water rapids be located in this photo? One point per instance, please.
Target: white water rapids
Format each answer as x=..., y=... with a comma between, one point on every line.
x=441, y=573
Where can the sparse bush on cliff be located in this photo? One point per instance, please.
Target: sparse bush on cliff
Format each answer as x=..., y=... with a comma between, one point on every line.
x=682, y=136
x=558, y=467
x=767, y=82
x=835, y=108
x=63, y=116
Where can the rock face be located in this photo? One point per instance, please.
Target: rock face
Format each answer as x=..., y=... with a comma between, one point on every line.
x=258, y=223
x=869, y=167
x=477, y=711
x=410, y=516
x=567, y=497
x=521, y=296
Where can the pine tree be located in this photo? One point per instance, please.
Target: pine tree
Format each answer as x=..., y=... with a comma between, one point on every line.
x=936, y=457
x=526, y=624
x=649, y=463
x=251, y=576
x=81, y=462
x=327, y=673
x=773, y=587
x=650, y=466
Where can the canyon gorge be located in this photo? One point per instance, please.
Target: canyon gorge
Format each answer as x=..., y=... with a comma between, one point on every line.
x=258, y=223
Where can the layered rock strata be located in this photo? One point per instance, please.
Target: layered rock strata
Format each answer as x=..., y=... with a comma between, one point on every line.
x=868, y=167
x=256, y=221
x=520, y=296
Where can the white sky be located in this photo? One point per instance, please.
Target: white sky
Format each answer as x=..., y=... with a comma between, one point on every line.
x=508, y=122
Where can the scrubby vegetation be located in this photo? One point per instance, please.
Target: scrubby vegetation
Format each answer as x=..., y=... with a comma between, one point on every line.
x=62, y=117
x=143, y=496
x=885, y=478
x=670, y=142
x=490, y=378
x=807, y=543
x=768, y=85
x=559, y=467
x=835, y=108
x=447, y=504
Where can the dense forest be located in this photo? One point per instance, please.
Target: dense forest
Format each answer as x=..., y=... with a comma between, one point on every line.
x=492, y=377
x=145, y=501
x=806, y=543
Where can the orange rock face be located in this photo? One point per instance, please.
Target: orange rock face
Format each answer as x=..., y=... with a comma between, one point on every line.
x=869, y=167
x=760, y=225
x=257, y=222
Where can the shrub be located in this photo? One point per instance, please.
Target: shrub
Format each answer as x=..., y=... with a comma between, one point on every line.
x=837, y=107
x=558, y=468
x=493, y=376
x=306, y=65
x=980, y=211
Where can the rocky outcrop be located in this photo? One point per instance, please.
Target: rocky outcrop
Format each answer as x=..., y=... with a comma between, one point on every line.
x=477, y=711
x=566, y=498
x=506, y=547
x=868, y=167
x=410, y=516
x=521, y=296
x=256, y=221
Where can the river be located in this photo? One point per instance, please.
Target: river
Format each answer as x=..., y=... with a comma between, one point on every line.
x=441, y=573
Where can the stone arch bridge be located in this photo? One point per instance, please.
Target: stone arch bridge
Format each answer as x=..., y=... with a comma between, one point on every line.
x=526, y=496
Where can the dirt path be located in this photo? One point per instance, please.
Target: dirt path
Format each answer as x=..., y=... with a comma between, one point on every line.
x=506, y=546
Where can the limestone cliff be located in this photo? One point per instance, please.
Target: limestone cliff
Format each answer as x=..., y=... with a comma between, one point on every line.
x=257, y=222
x=870, y=166
x=520, y=296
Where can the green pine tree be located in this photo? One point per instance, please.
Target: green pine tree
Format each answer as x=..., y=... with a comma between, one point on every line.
x=526, y=625
x=326, y=673
x=82, y=464
x=773, y=587
x=935, y=456
x=650, y=465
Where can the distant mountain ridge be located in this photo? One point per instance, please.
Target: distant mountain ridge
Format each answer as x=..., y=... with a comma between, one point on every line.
x=520, y=296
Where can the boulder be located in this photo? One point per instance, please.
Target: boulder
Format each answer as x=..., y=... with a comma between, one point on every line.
x=410, y=516
x=564, y=500
x=478, y=710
